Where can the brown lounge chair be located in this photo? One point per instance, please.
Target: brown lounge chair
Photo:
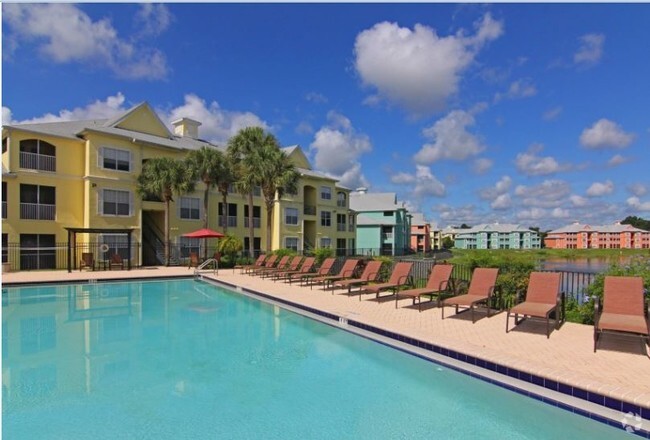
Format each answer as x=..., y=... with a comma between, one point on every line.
x=324, y=269
x=292, y=264
x=305, y=268
x=244, y=268
x=194, y=260
x=284, y=263
x=624, y=309
x=270, y=262
x=116, y=261
x=437, y=285
x=370, y=274
x=481, y=288
x=543, y=297
x=398, y=278
x=87, y=260
x=347, y=271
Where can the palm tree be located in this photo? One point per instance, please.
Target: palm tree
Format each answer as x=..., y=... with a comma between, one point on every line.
x=226, y=178
x=163, y=177
x=243, y=149
x=278, y=176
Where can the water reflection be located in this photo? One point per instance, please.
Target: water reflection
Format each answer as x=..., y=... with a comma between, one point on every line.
x=588, y=265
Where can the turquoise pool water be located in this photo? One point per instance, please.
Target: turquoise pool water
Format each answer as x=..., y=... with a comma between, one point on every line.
x=187, y=360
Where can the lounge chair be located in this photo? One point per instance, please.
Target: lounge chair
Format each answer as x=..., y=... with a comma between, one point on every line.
x=347, y=271
x=194, y=260
x=624, y=309
x=292, y=264
x=398, y=278
x=437, y=285
x=284, y=262
x=244, y=268
x=481, y=288
x=324, y=269
x=370, y=274
x=116, y=261
x=306, y=267
x=268, y=263
x=543, y=297
x=87, y=260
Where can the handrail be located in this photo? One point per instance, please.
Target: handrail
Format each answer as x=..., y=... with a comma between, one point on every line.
x=206, y=263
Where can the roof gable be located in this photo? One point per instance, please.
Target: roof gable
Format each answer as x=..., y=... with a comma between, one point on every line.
x=141, y=118
x=297, y=156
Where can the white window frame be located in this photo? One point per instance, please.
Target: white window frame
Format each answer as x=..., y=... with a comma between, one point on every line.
x=287, y=246
x=190, y=201
x=188, y=245
x=115, y=242
x=105, y=151
x=326, y=193
x=323, y=218
x=102, y=196
x=325, y=242
x=287, y=216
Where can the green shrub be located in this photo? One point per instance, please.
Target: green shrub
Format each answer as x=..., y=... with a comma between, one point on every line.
x=321, y=253
x=284, y=252
x=386, y=266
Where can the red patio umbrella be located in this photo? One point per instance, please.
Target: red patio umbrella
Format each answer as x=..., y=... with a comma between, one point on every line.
x=204, y=233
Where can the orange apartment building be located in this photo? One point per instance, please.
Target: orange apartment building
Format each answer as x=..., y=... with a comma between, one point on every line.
x=420, y=233
x=583, y=236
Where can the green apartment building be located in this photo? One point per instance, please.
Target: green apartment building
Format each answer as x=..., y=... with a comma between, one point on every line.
x=497, y=236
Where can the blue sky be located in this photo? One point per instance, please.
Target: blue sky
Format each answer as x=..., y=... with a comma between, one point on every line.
x=534, y=114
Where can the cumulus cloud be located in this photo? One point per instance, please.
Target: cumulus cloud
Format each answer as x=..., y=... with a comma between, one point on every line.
x=637, y=204
x=500, y=188
x=531, y=164
x=560, y=213
x=522, y=88
x=417, y=69
x=552, y=114
x=605, y=134
x=531, y=214
x=450, y=139
x=548, y=194
x=501, y=202
x=337, y=148
x=637, y=189
x=304, y=128
x=425, y=183
x=217, y=124
x=456, y=215
x=578, y=201
x=482, y=165
x=111, y=106
x=316, y=98
x=599, y=189
x=63, y=33
x=590, y=51
x=617, y=159
x=153, y=19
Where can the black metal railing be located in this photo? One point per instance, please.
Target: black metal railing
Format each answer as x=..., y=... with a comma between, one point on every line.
x=309, y=210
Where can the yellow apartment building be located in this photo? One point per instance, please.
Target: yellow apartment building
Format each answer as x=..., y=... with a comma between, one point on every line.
x=82, y=174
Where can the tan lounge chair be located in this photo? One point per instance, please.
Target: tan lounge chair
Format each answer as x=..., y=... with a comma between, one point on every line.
x=324, y=269
x=244, y=268
x=481, y=288
x=370, y=274
x=398, y=278
x=268, y=263
x=437, y=285
x=306, y=267
x=347, y=271
x=624, y=309
x=283, y=264
x=292, y=264
x=194, y=260
x=87, y=260
x=543, y=297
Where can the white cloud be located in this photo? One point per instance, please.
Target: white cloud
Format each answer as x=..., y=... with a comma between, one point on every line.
x=522, y=88
x=548, y=194
x=304, y=128
x=637, y=204
x=501, y=202
x=531, y=214
x=637, y=189
x=599, y=189
x=605, y=134
x=112, y=106
x=500, y=188
x=578, y=201
x=560, y=213
x=590, y=50
x=552, y=114
x=617, y=159
x=451, y=140
x=457, y=215
x=482, y=165
x=402, y=178
x=417, y=69
x=217, y=124
x=426, y=184
x=153, y=19
x=64, y=33
x=530, y=164
x=338, y=147
x=316, y=98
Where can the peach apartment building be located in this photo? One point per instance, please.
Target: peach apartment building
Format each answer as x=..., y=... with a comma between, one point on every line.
x=583, y=236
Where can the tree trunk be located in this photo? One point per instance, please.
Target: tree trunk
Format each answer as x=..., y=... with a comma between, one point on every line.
x=166, y=232
x=206, y=196
x=225, y=211
x=269, y=218
x=251, y=230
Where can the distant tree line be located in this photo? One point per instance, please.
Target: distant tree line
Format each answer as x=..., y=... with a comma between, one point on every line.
x=637, y=222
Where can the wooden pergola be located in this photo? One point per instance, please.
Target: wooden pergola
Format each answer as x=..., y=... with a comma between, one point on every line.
x=72, y=238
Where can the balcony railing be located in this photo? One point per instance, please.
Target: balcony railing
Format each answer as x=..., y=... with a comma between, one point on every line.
x=387, y=236
x=340, y=227
x=340, y=203
x=310, y=210
x=351, y=228
x=35, y=161
x=37, y=211
x=231, y=220
x=256, y=222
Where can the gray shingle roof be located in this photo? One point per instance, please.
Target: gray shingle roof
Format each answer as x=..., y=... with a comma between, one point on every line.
x=365, y=220
x=374, y=202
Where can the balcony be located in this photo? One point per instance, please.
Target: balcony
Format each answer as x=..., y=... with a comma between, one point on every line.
x=37, y=211
x=34, y=161
x=340, y=203
x=350, y=228
x=231, y=221
x=340, y=227
x=256, y=222
x=387, y=236
x=309, y=210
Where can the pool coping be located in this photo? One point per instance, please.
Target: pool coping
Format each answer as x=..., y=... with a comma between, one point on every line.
x=613, y=412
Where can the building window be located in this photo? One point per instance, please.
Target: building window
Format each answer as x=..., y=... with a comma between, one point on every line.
x=257, y=214
x=257, y=191
x=114, y=159
x=388, y=213
x=290, y=216
x=5, y=248
x=325, y=242
x=232, y=189
x=4, y=199
x=257, y=244
x=37, y=202
x=117, y=244
x=340, y=200
x=325, y=218
x=190, y=208
x=291, y=243
x=229, y=220
x=189, y=245
x=37, y=251
x=340, y=222
x=36, y=154
x=116, y=202
x=326, y=193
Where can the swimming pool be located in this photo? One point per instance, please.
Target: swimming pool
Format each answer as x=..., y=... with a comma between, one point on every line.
x=185, y=359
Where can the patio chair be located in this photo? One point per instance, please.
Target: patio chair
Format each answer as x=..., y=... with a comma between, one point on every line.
x=370, y=274
x=116, y=261
x=306, y=267
x=398, y=278
x=284, y=262
x=87, y=260
x=347, y=271
x=244, y=268
x=480, y=290
x=269, y=262
x=624, y=309
x=324, y=269
x=543, y=297
x=437, y=285
x=292, y=264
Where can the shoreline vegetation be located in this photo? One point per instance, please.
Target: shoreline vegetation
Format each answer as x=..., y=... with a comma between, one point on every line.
x=535, y=255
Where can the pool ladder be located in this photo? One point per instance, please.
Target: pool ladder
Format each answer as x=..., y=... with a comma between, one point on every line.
x=206, y=263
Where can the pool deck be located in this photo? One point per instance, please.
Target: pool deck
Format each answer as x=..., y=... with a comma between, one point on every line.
x=620, y=369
